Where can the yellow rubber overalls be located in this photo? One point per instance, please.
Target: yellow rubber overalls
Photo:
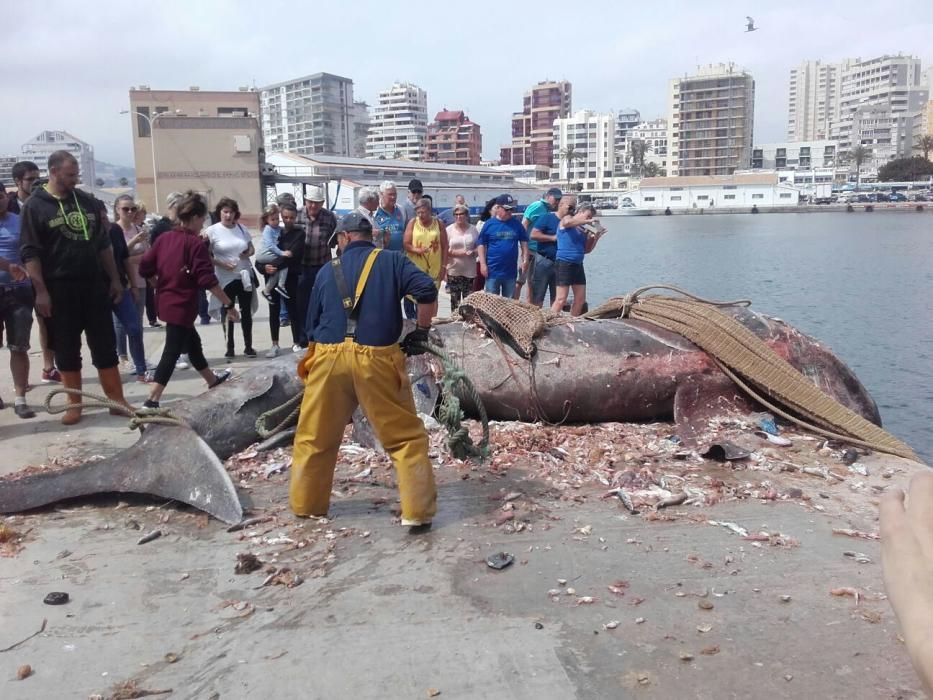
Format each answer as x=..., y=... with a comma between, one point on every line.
x=338, y=377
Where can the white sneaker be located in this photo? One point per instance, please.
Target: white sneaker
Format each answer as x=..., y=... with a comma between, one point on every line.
x=273, y=352
x=297, y=348
x=182, y=362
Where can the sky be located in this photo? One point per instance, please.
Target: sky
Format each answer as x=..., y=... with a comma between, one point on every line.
x=70, y=65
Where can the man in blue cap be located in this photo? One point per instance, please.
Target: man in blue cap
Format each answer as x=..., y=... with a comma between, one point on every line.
x=533, y=212
x=498, y=246
x=353, y=325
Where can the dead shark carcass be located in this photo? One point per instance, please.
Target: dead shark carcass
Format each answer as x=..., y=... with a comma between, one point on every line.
x=176, y=462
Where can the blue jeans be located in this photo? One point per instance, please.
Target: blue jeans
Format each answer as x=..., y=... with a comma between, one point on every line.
x=544, y=280
x=503, y=286
x=127, y=320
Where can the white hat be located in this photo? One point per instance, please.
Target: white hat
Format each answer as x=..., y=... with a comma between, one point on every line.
x=314, y=194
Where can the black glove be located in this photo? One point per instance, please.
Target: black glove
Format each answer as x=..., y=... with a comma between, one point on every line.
x=411, y=343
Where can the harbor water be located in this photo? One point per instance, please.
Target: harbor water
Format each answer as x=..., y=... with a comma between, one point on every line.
x=860, y=283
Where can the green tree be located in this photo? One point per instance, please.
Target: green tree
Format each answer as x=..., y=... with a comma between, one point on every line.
x=925, y=144
x=124, y=182
x=906, y=170
x=638, y=149
x=569, y=154
x=651, y=170
x=99, y=182
x=858, y=155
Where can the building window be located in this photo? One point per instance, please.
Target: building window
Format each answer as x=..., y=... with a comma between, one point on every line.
x=728, y=196
x=702, y=196
x=676, y=198
x=649, y=199
x=758, y=196
x=785, y=195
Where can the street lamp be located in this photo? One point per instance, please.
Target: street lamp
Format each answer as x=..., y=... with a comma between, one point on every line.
x=151, y=122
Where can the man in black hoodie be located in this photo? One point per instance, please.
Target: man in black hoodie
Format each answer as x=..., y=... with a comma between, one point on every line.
x=65, y=247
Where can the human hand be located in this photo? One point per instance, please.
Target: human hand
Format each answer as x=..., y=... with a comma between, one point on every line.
x=233, y=314
x=484, y=270
x=231, y=266
x=43, y=304
x=18, y=272
x=907, y=561
x=271, y=269
x=411, y=343
x=135, y=292
x=287, y=254
x=116, y=292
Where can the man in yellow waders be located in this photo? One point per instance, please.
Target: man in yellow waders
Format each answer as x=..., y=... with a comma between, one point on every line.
x=354, y=357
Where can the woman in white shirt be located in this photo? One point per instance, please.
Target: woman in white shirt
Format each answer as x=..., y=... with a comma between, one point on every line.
x=461, y=256
x=231, y=248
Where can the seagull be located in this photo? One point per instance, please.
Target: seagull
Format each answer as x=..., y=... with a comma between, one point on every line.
x=750, y=27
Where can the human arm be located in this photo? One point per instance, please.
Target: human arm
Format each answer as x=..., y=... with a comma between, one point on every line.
x=481, y=259
x=110, y=267
x=43, y=301
x=270, y=242
x=17, y=272
x=539, y=235
x=409, y=238
x=572, y=220
x=524, y=248
x=222, y=297
x=907, y=561
x=444, y=252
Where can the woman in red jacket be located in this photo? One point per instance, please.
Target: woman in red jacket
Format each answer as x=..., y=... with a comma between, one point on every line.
x=180, y=261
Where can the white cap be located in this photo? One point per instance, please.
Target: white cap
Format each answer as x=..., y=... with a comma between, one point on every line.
x=314, y=194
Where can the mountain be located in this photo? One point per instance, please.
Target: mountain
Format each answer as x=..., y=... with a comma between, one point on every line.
x=111, y=174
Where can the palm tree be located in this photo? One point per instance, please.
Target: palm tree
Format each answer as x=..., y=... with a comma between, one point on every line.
x=651, y=170
x=859, y=155
x=569, y=154
x=925, y=144
x=638, y=149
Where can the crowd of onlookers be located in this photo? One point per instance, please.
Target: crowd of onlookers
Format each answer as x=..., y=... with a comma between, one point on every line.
x=72, y=266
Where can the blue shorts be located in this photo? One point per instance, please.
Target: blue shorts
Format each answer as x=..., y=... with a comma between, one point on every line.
x=503, y=286
x=16, y=302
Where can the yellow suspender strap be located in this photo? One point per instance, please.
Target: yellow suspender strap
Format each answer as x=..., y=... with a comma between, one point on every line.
x=364, y=276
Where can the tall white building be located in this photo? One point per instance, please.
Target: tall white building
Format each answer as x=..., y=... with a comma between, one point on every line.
x=813, y=99
x=308, y=115
x=398, y=123
x=654, y=135
x=590, y=138
x=46, y=143
x=360, y=121
x=626, y=120
x=711, y=121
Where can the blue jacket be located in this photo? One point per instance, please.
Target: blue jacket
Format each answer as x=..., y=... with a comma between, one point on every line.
x=379, y=313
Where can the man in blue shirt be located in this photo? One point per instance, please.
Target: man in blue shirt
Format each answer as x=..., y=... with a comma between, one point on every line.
x=498, y=246
x=390, y=218
x=544, y=235
x=354, y=358
x=533, y=212
x=15, y=304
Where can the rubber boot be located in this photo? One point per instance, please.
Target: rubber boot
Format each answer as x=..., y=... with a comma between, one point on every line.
x=112, y=385
x=71, y=380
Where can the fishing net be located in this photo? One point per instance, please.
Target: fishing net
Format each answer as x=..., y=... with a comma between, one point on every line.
x=513, y=322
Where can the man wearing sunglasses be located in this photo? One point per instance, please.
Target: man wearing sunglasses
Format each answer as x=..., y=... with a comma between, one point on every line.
x=26, y=176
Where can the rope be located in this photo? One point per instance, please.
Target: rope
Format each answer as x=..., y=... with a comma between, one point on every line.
x=449, y=412
x=138, y=418
x=293, y=408
x=621, y=307
x=766, y=374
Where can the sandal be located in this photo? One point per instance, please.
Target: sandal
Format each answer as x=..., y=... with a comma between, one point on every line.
x=221, y=378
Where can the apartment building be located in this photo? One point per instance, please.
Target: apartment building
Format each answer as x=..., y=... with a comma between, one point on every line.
x=533, y=127
x=312, y=114
x=711, y=121
x=584, y=150
x=44, y=144
x=626, y=120
x=399, y=123
x=452, y=138
x=654, y=134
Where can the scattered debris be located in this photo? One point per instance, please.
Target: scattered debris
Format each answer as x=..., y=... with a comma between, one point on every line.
x=171, y=657
x=34, y=634
x=785, y=598
x=737, y=529
x=711, y=650
x=705, y=605
x=56, y=598
x=154, y=535
x=850, y=457
x=639, y=620
x=282, y=577
x=128, y=690
x=499, y=561
x=846, y=591
x=858, y=557
x=675, y=500
x=686, y=656
x=703, y=629
x=23, y=672
x=246, y=563
x=11, y=541
x=249, y=522
x=433, y=692
x=539, y=626
x=611, y=625
x=725, y=451
x=848, y=532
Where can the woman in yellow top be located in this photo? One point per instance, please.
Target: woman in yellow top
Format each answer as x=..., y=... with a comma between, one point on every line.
x=426, y=246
